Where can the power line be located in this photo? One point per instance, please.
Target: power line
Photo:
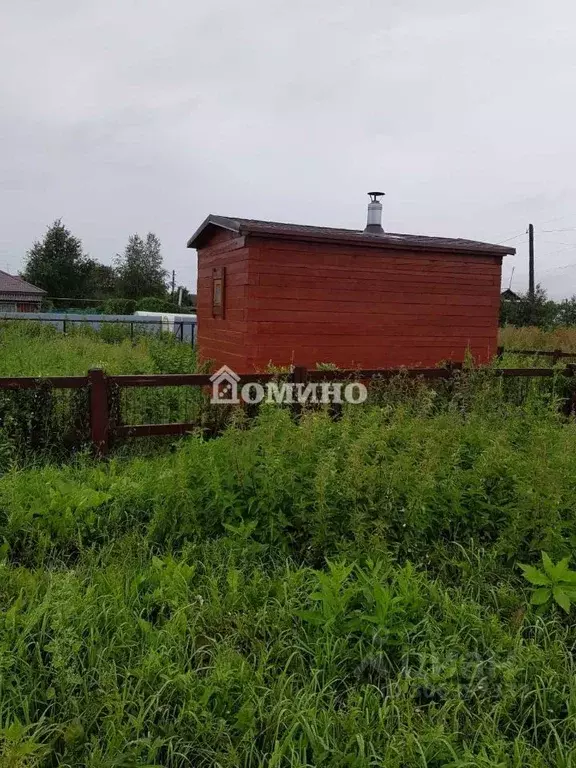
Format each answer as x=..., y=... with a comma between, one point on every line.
x=511, y=238
x=556, y=269
x=561, y=250
x=571, y=229
x=556, y=218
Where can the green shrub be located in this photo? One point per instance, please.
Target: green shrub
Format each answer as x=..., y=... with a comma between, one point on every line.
x=119, y=306
x=380, y=481
x=156, y=304
x=555, y=584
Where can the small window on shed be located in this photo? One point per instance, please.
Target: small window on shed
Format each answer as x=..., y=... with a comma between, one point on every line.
x=218, y=285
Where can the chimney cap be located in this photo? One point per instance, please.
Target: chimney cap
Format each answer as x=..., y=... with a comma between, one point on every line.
x=374, y=222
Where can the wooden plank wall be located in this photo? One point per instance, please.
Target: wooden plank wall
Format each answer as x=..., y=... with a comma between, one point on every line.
x=224, y=340
x=366, y=307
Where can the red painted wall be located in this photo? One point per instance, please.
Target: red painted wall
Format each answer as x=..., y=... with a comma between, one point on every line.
x=224, y=340
x=354, y=306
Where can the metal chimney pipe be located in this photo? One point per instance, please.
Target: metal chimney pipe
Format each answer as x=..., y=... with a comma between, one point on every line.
x=374, y=222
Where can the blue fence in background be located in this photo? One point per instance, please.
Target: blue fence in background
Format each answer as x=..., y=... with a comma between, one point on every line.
x=183, y=327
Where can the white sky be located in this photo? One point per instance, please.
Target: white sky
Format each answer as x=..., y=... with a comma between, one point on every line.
x=126, y=116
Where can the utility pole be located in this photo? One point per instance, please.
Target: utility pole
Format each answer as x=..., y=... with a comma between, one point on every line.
x=531, y=289
x=174, y=279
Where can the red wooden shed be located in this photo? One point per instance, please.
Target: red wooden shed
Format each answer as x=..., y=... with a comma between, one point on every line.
x=293, y=294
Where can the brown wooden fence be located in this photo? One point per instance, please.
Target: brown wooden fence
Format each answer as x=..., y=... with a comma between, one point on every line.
x=104, y=429
x=554, y=354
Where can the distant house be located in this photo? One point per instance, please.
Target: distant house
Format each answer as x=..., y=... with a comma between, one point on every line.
x=16, y=295
x=509, y=295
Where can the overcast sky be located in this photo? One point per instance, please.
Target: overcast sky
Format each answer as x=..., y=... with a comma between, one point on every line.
x=125, y=116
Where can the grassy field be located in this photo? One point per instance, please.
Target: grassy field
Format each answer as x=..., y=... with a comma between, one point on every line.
x=537, y=338
x=31, y=350
x=338, y=594
x=54, y=422
x=28, y=349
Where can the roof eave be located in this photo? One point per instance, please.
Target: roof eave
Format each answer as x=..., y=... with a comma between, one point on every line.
x=370, y=241
x=375, y=242
x=212, y=221
x=38, y=292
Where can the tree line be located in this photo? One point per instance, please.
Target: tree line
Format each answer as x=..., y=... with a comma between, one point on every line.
x=137, y=279
x=539, y=310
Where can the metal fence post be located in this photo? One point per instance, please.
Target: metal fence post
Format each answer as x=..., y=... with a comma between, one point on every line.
x=99, y=414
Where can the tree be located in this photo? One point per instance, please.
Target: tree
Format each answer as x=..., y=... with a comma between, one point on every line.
x=99, y=280
x=567, y=311
x=57, y=263
x=536, y=310
x=139, y=270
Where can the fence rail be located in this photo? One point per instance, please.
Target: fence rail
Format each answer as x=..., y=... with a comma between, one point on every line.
x=104, y=428
x=555, y=354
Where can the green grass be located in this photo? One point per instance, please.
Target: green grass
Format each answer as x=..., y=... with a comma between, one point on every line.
x=29, y=349
x=563, y=338
x=339, y=594
x=290, y=594
x=213, y=656
x=54, y=422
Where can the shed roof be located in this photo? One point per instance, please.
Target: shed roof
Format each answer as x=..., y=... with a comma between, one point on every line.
x=15, y=284
x=278, y=229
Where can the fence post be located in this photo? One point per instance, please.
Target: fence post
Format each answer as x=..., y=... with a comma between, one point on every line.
x=99, y=415
x=299, y=376
x=556, y=356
